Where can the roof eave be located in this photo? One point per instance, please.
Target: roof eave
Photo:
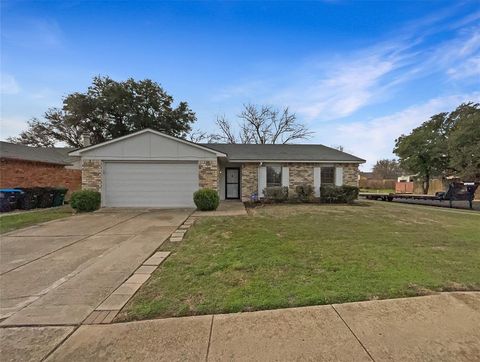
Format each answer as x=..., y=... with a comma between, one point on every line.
x=298, y=161
x=38, y=161
x=79, y=151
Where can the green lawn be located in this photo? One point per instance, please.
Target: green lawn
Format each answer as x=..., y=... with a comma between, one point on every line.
x=378, y=191
x=24, y=219
x=297, y=255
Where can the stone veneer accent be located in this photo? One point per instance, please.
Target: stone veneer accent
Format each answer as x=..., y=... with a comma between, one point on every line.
x=208, y=174
x=350, y=174
x=249, y=182
x=299, y=173
x=302, y=173
x=92, y=175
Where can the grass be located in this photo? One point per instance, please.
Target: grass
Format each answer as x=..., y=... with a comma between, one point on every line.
x=24, y=219
x=298, y=255
x=378, y=191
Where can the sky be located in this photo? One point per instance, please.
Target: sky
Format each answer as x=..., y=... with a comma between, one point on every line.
x=358, y=74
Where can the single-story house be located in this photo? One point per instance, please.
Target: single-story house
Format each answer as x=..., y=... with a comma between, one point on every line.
x=152, y=169
x=25, y=166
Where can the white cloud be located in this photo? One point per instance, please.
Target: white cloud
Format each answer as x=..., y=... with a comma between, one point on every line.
x=469, y=69
x=346, y=87
x=11, y=126
x=333, y=87
x=374, y=139
x=371, y=75
x=34, y=33
x=8, y=84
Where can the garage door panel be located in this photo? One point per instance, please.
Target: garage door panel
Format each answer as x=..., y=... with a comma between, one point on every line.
x=150, y=184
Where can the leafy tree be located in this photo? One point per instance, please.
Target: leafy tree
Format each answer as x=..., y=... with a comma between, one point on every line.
x=387, y=169
x=425, y=150
x=261, y=125
x=109, y=109
x=464, y=141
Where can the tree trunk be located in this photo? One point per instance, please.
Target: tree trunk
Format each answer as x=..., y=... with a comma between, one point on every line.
x=426, y=184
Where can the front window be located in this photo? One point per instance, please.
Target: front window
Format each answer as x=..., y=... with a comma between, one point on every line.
x=328, y=175
x=274, y=175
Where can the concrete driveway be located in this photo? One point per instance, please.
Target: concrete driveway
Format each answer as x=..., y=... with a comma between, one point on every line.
x=58, y=272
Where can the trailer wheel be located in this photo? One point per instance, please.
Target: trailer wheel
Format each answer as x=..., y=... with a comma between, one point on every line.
x=389, y=199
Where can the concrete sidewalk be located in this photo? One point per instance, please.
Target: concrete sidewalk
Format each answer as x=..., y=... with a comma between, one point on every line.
x=442, y=327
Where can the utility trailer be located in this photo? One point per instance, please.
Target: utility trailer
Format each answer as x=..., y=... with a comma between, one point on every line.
x=457, y=191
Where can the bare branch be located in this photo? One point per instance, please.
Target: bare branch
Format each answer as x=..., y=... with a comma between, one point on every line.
x=264, y=124
x=227, y=134
x=197, y=136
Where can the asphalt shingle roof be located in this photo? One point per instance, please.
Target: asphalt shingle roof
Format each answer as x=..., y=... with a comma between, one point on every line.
x=282, y=152
x=56, y=155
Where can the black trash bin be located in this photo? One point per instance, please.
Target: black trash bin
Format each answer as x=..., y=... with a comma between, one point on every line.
x=45, y=197
x=29, y=199
x=59, y=196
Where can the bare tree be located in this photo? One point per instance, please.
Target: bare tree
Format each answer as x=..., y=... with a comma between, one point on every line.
x=387, y=169
x=262, y=125
x=197, y=136
x=226, y=133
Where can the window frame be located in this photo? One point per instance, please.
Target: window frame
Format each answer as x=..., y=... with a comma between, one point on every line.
x=274, y=184
x=322, y=176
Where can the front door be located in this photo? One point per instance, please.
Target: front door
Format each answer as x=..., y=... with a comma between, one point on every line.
x=232, y=183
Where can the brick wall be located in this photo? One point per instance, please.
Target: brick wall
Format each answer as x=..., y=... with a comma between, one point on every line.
x=19, y=173
x=249, y=181
x=208, y=174
x=92, y=175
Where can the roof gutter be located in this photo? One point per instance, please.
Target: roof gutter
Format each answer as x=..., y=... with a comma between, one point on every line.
x=296, y=161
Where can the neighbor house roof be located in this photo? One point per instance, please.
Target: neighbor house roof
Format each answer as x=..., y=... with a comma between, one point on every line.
x=55, y=155
x=283, y=152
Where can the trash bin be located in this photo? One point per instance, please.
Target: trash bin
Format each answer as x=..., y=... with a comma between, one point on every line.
x=45, y=197
x=59, y=196
x=9, y=199
x=29, y=199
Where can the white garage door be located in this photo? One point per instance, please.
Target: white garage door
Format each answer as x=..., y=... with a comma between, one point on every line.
x=138, y=184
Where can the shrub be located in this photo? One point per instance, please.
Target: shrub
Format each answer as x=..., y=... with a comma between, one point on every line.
x=304, y=192
x=350, y=193
x=276, y=193
x=85, y=200
x=206, y=199
x=338, y=194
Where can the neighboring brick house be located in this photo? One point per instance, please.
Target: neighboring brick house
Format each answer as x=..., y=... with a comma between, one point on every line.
x=24, y=166
x=152, y=169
